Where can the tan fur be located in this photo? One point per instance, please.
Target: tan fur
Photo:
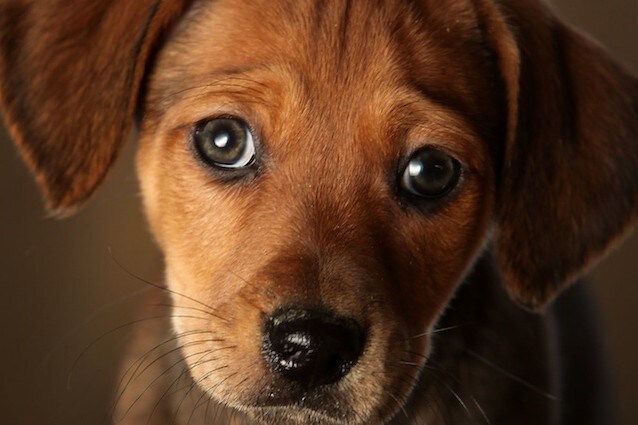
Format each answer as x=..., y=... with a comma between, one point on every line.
x=338, y=93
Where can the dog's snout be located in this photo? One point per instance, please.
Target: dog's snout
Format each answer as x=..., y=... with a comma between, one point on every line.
x=311, y=347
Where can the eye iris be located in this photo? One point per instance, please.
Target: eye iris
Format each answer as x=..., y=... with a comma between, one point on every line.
x=225, y=142
x=431, y=173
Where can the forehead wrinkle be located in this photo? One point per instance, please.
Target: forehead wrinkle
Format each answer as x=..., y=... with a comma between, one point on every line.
x=238, y=81
x=224, y=77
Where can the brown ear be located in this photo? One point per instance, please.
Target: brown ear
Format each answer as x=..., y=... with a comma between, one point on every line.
x=70, y=76
x=569, y=186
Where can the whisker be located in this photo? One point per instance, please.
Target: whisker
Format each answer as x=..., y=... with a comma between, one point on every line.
x=112, y=331
x=163, y=288
x=439, y=369
x=399, y=404
x=269, y=291
x=435, y=331
x=435, y=395
x=187, y=344
x=61, y=342
x=403, y=362
x=171, y=305
x=418, y=385
x=135, y=374
x=511, y=376
x=206, y=410
x=165, y=393
x=415, y=354
x=161, y=375
x=197, y=404
x=411, y=381
x=209, y=389
x=217, y=385
x=195, y=384
x=433, y=373
x=480, y=409
x=199, y=362
x=138, y=363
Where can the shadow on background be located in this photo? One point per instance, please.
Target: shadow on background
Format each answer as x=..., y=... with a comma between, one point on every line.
x=63, y=290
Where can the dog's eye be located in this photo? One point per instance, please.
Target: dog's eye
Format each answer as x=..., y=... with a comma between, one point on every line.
x=431, y=173
x=225, y=142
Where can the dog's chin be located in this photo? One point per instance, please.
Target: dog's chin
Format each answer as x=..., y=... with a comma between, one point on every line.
x=320, y=406
x=334, y=413
x=294, y=415
x=313, y=407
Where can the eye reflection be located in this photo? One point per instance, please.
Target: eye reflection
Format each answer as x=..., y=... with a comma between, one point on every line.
x=431, y=173
x=225, y=143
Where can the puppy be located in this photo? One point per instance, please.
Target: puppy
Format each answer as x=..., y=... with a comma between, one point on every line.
x=358, y=201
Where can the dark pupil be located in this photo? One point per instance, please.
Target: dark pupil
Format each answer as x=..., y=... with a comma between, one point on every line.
x=221, y=141
x=431, y=173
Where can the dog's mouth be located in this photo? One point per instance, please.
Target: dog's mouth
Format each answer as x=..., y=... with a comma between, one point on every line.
x=327, y=404
x=296, y=414
x=345, y=402
x=321, y=405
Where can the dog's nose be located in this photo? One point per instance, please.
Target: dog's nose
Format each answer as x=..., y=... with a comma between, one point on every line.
x=311, y=347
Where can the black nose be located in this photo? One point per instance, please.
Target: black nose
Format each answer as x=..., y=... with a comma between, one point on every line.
x=311, y=347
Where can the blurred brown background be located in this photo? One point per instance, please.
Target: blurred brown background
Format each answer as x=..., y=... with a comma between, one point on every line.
x=62, y=287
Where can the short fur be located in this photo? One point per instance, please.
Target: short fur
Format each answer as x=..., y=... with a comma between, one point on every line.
x=339, y=93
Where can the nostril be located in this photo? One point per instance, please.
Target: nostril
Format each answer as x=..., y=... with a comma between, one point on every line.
x=311, y=347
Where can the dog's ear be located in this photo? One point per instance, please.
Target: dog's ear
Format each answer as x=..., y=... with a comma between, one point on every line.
x=70, y=76
x=569, y=182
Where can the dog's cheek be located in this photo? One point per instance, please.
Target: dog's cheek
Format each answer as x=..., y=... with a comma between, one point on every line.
x=195, y=220
x=226, y=361
x=147, y=179
x=198, y=226
x=438, y=251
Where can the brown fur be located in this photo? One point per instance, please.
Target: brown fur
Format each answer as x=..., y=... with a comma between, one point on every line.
x=338, y=94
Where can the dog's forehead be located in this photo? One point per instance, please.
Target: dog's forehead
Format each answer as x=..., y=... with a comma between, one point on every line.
x=433, y=47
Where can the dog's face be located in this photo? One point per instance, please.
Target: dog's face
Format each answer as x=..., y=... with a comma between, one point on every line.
x=322, y=175
x=343, y=192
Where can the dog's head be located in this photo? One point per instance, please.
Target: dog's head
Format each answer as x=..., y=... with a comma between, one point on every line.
x=321, y=175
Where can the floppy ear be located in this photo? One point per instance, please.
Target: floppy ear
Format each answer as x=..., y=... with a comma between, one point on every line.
x=70, y=76
x=569, y=184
